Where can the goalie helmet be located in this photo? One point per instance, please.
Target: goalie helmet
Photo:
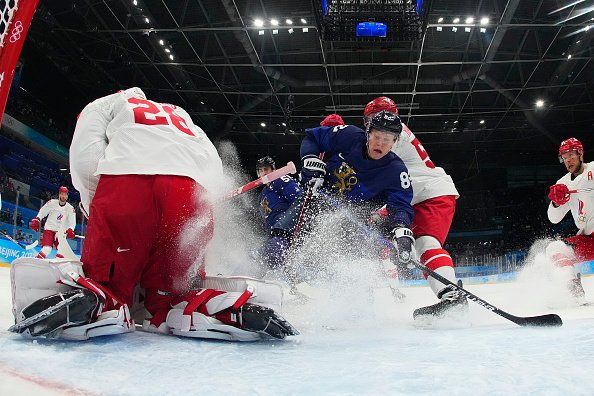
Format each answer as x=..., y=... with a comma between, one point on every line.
x=385, y=121
x=571, y=144
x=265, y=161
x=379, y=104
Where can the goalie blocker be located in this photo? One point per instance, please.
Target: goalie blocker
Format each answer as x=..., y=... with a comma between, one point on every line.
x=55, y=300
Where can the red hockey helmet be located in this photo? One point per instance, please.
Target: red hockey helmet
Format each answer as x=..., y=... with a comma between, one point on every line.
x=63, y=189
x=379, y=104
x=332, y=120
x=571, y=144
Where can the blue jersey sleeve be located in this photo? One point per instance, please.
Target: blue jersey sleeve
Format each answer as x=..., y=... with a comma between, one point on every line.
x=399, y=198
x=329, y=139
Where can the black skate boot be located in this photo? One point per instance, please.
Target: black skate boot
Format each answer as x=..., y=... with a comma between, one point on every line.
x=47, y=317
x=451, y=300
x=265, y=320
x=575, y=287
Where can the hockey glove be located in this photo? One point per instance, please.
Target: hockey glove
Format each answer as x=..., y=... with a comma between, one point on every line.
x=559, y=194
x=70, y=233
x=313, y=172
x=34, y=224
x=404, y=242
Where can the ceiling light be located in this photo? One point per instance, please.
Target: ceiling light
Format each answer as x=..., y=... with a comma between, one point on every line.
x=288, y=21
x=161, y=42
x=170, y=56
x=539, y=103
x=469, y=20
x=258, y=23
x=577, y=42
x=569, y=56
x=482, y=122
x=467, y=29
x=135, y=2
x=275, y=31
x=147, y=20
x=291, y=30
x=305, y=30
x=587, y=28
x=303, y=20
x=456, y=20
x=440, y=20
x=439, y=28
x=484, y=21
x=260, y=32
x=454, y=29
x=167, y=50
x=455, y=122
x=263, y=124
x=283, y=123
x=201, y=102
x=483, y=30
x=274, y=22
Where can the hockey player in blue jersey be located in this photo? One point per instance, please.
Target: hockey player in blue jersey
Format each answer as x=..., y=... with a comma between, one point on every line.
x=359, y=168
x=275, y=198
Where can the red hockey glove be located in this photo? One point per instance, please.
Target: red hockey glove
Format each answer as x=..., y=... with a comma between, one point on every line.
x=559, y=194
x=34, y=224
x=70, y=233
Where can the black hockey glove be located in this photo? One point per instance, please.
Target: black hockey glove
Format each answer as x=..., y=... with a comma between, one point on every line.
x=403, y=240
x=312, y=173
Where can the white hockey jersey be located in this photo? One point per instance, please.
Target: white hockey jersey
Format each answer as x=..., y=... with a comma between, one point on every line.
x=428, y=180
x=125, y=133
x=59, y=218
x=581, y=204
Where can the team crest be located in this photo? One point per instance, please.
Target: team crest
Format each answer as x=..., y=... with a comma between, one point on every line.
x=346, y=178
x=581, y=214
x=265, y=207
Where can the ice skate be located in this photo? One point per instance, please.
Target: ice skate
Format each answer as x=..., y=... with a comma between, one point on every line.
x=451, y=301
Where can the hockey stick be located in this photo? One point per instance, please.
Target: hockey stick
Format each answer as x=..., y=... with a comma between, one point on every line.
x=540, y=320
x=11, y=239
x=280, y=172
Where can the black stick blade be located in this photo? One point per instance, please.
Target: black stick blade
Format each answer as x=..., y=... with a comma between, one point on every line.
x=541, y=320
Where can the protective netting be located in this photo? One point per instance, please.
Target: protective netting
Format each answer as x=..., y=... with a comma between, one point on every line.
x=8, y=7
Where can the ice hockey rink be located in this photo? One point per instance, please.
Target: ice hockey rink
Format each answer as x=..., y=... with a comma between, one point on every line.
x=373, y=348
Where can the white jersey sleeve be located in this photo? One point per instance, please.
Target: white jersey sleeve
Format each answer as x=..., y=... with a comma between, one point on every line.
x=126, y=134
x=581, y=204
x=428, y=180
x=45, y=210
x=90, y=141
x=70, y=221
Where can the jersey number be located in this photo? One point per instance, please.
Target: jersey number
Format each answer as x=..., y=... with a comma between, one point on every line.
x=147, y=113
x=404, y=180
x=422, y=153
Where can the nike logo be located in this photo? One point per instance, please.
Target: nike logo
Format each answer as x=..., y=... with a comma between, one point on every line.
x=120, y=250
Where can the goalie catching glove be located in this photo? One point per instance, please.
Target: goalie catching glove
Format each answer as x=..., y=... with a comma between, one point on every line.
x=404, y=242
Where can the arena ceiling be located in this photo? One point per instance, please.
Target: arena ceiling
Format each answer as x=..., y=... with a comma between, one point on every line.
x=468, y=89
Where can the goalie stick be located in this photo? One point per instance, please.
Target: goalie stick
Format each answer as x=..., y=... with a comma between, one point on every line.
x=540, y=320
x=11, y=239
x=280, y=172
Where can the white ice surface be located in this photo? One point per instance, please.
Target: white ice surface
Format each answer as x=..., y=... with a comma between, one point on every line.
x=373, y=349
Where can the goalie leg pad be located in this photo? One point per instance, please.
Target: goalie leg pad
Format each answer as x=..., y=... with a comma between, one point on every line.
x=209, y=313
x=50, y=299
